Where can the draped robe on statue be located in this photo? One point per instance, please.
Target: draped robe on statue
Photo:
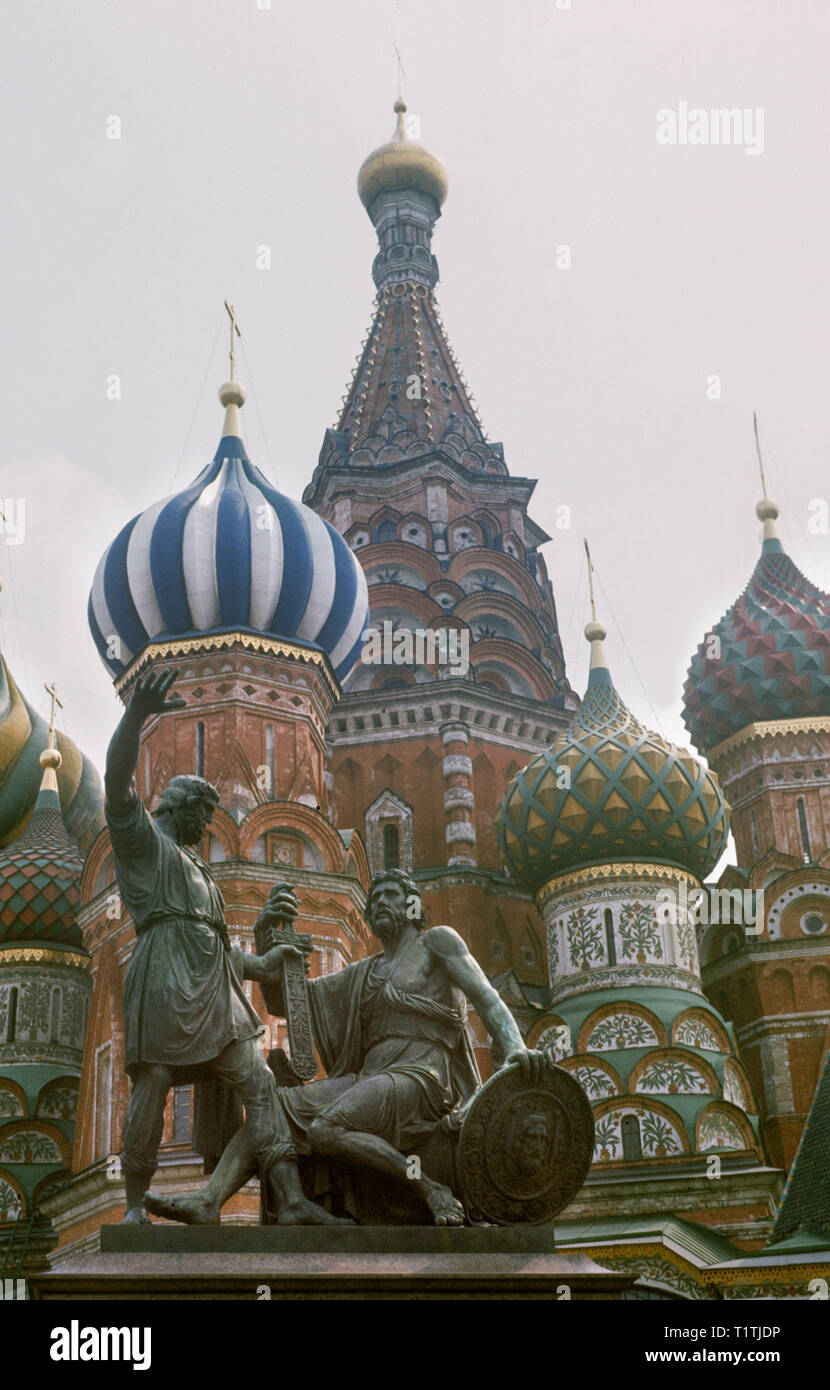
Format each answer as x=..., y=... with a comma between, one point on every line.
x=396, y=1063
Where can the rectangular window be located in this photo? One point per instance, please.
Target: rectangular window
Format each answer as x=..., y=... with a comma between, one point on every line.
x=391, y=846
x=609, y=937
x=11, y=1027
x=802, y=826
x=200, y=749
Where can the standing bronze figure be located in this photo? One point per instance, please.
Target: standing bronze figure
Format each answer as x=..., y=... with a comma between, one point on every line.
x=185, y=1010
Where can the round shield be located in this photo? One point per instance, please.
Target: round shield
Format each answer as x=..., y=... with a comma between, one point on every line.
x=525, y=1147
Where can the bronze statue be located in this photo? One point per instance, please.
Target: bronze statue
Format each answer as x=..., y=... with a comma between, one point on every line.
x=390, y=1032
x=185, y=1010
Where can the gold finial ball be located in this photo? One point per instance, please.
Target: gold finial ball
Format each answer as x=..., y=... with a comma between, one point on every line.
x=50, y=757
x=595, y=632
x=401, y=164
x=767, y=510
x=232, y=393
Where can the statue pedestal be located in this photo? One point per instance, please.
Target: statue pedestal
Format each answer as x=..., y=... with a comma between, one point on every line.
x=165, y=1261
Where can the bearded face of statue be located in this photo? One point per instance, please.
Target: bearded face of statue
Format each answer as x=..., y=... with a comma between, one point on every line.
x=531, y=1144
x=387, y=913
x=192, y=818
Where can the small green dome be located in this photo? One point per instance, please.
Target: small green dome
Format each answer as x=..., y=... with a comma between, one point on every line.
x=609, y=789
x=40, y=879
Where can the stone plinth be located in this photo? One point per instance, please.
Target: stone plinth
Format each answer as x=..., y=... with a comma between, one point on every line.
x=377, y=1262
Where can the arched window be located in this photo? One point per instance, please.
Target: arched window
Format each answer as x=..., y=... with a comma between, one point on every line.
x=802, y=825
x=11, y=1027
x=391, y=846
x=200, y=749
x=55, y=1015
x=609, y=937
x=387, y=531
x=631, y=1141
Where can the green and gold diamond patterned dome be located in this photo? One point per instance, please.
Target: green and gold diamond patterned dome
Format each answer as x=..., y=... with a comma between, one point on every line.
x=40, y=874
x=608, y=789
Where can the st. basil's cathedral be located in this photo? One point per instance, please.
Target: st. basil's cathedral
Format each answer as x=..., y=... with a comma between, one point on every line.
x=549, y=830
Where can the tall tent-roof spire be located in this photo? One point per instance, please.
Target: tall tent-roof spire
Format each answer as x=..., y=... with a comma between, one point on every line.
x=408, y=394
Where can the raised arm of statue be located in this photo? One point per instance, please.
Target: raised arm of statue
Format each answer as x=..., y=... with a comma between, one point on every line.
x=149, y=697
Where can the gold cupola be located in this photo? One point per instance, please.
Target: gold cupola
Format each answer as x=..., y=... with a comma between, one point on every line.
x=402, y=163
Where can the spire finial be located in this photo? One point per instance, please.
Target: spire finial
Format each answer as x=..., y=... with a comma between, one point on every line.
x=401, y=75
x=52, y=692
x=232, y=394
x=50, y=759
x=594, y=631
x=758, y=452
x=590, y=580
x=400, y=109
x=766, y=510
x=234, y=331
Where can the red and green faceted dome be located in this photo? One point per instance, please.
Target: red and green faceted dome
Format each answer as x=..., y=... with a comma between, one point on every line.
x=768, y=658
x=40, y=881
x=608, y=789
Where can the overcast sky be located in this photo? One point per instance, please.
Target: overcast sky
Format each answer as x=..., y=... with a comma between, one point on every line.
x=243, y=127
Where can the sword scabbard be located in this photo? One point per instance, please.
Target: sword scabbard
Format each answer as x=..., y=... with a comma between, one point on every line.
x=302, y=1060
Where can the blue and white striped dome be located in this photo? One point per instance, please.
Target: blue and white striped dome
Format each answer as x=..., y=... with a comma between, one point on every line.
x=229, y=553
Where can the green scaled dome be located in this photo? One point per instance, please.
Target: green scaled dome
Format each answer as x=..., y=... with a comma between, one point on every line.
x=40, y=876
x=608, y=789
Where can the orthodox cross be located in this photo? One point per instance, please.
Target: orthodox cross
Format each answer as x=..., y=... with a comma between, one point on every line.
x=400, y=71
x=591, y=583
x=758, y=451
x=234, y=330
x=52, y=691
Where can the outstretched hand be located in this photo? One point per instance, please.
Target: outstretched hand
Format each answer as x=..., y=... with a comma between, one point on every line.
x=272, y=961
x=531, y=1063
x=150, y=694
